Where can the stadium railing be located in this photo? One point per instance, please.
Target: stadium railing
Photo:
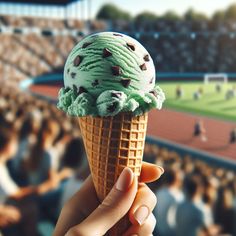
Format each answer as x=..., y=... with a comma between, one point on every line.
x=193, y=153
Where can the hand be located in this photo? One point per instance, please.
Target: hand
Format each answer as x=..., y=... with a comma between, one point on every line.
x=84, y=215
x=9, y=215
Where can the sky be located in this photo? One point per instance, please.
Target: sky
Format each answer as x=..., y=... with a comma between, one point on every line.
x=133, y=6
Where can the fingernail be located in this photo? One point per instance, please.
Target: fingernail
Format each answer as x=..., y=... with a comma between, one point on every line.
x=133, y=235
x=125, y=179
x=141, y=214
x=161, y=169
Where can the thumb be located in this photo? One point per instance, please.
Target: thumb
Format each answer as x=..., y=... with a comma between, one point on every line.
x=112, y=209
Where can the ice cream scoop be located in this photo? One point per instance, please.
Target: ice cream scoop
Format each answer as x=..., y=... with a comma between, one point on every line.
x=108, y=73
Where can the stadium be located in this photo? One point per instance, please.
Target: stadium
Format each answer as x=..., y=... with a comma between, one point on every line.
x=193, y=134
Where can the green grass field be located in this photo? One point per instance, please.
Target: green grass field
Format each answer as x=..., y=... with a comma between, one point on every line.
x=211, y=103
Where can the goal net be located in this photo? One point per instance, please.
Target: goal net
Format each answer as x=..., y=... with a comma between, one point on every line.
x=219, y=78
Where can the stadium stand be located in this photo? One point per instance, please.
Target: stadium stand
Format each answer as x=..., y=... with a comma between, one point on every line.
x=193, y=47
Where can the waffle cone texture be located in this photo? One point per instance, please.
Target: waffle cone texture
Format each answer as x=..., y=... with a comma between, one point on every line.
x=111, y=144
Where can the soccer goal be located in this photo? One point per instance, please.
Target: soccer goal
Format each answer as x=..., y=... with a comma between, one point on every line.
x=219, y=78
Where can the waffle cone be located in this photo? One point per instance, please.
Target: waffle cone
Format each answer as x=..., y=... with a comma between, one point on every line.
x=111, y=144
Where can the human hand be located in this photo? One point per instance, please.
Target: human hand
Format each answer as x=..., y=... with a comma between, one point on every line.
x=9, y=215
x=84, y=215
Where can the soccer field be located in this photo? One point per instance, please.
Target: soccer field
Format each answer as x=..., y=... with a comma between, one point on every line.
x=211, y=103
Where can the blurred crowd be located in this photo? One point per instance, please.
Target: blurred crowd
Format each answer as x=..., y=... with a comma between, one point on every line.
x=175, y=46
x=42, y=164
x=40, y=148
x=194, y=197
x=46, y=23
x=24, y=56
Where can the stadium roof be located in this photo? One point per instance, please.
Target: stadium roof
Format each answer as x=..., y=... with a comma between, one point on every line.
x=42, y=2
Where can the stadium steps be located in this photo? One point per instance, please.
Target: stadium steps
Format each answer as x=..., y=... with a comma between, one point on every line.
x=15, y=67
x=41, y=57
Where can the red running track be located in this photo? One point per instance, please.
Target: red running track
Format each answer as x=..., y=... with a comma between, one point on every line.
x=178, y=127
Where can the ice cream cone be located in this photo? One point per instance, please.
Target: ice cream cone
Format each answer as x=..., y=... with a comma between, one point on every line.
x=111, y=144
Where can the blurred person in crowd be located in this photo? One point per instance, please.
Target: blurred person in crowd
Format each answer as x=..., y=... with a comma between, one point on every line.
x=200, y=131
x=190, y=214
x=27, y=137
x=209, y=201
x=187, y=165
x=168, y=197
x=73, y=158
x=58, y=148
x=13, y=200
x=225, y=210
x=40, y=166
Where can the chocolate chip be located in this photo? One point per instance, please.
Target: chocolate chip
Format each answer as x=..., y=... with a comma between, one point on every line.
x=75, y=88
x=106, y=53
x=77, y=60
x=116, y=94
x=125, y=82
x=143, y=67
x=72, y=74
x=146, y=58
x=151, y=81
x=115, y=34
x=131, y=46
x=95, y=83
x=112, y=107
x=67, y=89
x=68, y=70
x=116, y=70
x=85, y=45
x=154, y=92
x=82, y=90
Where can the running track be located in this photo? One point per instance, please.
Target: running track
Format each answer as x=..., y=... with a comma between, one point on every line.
x=178, y=127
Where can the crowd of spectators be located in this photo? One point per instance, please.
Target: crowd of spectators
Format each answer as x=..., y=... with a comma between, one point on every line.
x=44, y=23
x=30, y=55
x=186, y=46
x=40, y=147
x=175, y=46
x=194, y=197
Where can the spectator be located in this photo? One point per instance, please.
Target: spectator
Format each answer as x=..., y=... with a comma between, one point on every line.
x=225, y=210
x=27, y=137
x=40, y=166
x=168, y=197
x=73, y=158
x=190, y=213
x=13, y=211
x=209, y=201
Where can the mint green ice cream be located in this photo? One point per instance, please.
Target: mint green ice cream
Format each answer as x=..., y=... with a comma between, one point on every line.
x=107, y=73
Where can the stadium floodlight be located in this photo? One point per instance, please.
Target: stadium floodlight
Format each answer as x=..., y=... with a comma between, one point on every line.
x=217, y=77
